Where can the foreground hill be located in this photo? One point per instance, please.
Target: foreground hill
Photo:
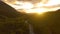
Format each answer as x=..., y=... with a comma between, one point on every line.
x=11, y=21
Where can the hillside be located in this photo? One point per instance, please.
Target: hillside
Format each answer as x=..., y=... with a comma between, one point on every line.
x=47, y=23
x=11, y=21
x=8, y=11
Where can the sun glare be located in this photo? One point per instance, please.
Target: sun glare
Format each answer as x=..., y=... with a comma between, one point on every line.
x=36, y=10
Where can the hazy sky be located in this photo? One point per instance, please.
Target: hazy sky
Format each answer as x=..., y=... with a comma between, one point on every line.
x=49, y=3
x=33, y=1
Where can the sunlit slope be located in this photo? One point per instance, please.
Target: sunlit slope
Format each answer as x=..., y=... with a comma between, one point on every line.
x=7, y=10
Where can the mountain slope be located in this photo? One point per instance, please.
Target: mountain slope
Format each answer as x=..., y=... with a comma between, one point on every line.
x=8, y=11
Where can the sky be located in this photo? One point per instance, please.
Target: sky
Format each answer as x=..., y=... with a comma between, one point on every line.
x=38, y=5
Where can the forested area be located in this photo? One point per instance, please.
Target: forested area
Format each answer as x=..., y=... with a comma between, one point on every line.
x=13, y=22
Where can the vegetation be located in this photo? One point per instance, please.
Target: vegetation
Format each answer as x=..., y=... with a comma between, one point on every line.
x=13, y=22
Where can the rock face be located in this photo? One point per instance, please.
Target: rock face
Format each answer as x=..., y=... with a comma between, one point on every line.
x=7, y=10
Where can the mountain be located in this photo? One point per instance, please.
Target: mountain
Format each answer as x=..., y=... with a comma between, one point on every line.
x=8, y=11
x=47, y=23
x=11, y=21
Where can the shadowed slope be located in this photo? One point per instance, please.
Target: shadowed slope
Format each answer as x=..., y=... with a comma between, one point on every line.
x=8, y=11
x=14, y=24
x=48, y=23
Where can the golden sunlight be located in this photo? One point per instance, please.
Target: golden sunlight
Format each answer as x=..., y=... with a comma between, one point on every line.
x=36, y=10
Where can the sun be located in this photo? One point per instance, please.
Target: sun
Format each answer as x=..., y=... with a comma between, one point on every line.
x=36, y=10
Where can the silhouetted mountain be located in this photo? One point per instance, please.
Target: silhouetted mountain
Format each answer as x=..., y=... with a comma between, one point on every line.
x=47, y=23
x=58, y=10
x=14, y=24
x=8, y=11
